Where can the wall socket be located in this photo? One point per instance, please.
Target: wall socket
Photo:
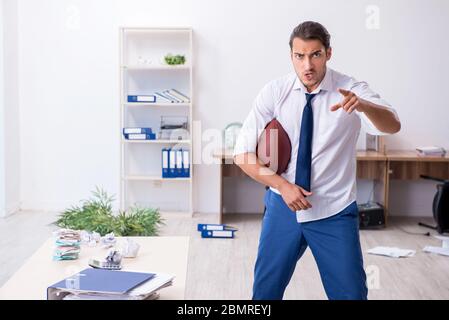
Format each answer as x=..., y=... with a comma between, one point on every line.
x=157, y=184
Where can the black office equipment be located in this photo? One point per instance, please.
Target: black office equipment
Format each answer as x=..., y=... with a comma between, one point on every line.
x=440, y=206
x=371, y=216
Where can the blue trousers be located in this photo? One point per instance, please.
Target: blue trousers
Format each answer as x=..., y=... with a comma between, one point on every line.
x=334, y=243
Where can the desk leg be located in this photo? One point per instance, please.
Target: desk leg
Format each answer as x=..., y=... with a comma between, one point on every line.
x=381, y=191
x=220, y=211
x=387, y=191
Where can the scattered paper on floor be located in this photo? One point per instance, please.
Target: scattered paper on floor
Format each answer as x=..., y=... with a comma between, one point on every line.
x=392, y=252
x=437, y=250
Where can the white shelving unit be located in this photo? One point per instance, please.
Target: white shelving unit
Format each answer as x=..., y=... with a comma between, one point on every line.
x=143, y=72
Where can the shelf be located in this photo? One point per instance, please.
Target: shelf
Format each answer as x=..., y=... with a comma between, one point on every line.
x=181, y=30
x=153, y=178
x=141, y=160
x=158, y=141
x=157, y=67
x=143, y=104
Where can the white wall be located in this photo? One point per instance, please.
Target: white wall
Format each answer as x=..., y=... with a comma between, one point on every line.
x=10, y=99
x=2, y=122
x=68, y=79
x=69, y=111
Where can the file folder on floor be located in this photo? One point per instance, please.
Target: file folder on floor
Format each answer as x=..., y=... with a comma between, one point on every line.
x=219, y=227
x=217, y=233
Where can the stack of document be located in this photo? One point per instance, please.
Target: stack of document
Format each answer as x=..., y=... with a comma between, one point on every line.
x=149, y=290
x=431, y=151
x=99, y=284
x=92, y=296
x=67, y=245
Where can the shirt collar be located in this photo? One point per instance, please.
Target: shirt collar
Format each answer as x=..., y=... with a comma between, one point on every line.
x=325, y=85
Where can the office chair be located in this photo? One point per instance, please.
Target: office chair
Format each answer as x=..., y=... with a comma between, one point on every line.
x=440, y=206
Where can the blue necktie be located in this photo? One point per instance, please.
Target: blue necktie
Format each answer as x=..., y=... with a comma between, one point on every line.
x=304, y=160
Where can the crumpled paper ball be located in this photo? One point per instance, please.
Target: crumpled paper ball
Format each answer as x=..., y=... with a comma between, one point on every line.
x=129, y=248
x=109, y=240
x=90, y=238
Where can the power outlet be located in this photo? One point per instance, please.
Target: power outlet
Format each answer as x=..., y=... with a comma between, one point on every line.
x=157, y=184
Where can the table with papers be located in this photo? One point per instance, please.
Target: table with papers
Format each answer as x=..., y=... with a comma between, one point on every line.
x=165, y=256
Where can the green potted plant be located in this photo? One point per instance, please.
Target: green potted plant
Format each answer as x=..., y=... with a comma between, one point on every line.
x=96, y=215
x=174, y=59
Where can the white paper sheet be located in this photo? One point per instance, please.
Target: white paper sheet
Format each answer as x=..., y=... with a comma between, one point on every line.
x=392, y=252
x=437, y=250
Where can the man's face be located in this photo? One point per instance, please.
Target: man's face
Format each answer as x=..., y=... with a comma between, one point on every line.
x=309, y=60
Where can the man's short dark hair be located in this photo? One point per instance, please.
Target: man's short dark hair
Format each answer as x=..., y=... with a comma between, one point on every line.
x=311, y=30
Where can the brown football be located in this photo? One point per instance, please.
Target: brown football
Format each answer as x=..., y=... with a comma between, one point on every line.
x=274, y=147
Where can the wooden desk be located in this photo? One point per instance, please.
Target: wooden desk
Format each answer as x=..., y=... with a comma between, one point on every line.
x=377, y=166
x=370, y=165
x=156, y=254
x=406, y=165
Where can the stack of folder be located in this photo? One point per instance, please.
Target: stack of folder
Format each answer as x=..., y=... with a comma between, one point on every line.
x=99, y=284
x=139, y=134
x=216, y=231
x=175, y=163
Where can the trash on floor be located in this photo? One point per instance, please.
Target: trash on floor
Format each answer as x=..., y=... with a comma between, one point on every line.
x=392, y=252
x=443, y=250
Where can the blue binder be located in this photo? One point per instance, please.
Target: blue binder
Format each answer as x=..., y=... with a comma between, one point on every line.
x=140, y=136
x=102, y=281
x=185, y=163
x=211, y=227
x=218, y=234
x=137, y=130
x=165, y=163
x=179, y=163
x=142, y=99
x=172, y=163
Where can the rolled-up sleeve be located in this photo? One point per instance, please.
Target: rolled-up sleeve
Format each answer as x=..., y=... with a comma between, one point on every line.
x=261, y=113
x=362, y=90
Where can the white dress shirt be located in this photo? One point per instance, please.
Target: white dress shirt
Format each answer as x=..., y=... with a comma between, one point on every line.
x=335, y=135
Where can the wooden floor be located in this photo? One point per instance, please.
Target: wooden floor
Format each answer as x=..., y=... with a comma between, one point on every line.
x=223, y=268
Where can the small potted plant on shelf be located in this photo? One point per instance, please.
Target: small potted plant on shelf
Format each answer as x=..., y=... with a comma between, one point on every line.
x=174, y=59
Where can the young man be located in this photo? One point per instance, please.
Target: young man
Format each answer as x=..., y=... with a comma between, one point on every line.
x=312, y=204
